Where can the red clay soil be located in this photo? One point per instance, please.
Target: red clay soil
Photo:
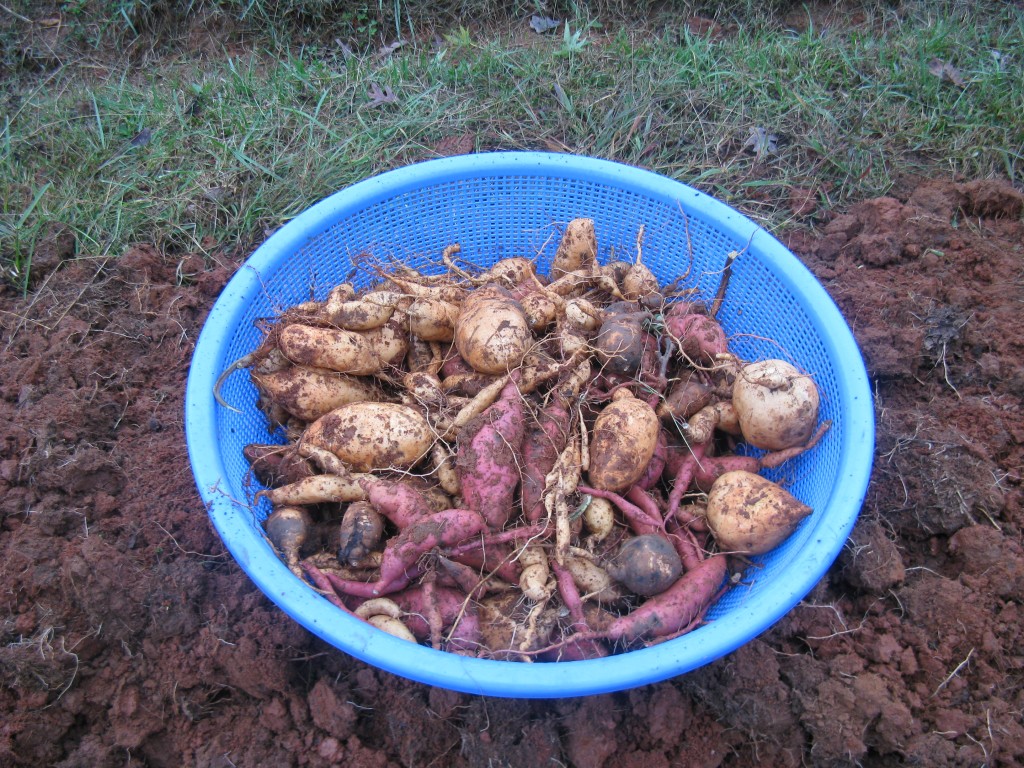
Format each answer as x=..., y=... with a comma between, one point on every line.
x=129, y=637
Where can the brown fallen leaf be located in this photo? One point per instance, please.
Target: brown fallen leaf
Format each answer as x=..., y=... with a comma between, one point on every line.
x=542, y=24
x=386, y=50
x=761, y=143
x=946, y=72
x=380, y=96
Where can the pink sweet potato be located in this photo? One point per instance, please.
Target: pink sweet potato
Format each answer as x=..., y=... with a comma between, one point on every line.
x=430, y=608
x=489, y=461
x=541, y=447
x=699, y=336
x=442, y=529
x=399, y=502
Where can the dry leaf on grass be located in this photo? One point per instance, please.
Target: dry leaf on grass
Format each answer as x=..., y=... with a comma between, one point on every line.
x=380, y=96
x=761, y=143
x=946, y=72
x=542, y=24
x=386, y=50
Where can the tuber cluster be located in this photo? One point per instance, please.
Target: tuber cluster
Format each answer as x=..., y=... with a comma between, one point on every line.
x=514, y=465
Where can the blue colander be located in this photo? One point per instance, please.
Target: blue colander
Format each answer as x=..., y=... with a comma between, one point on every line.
x=516, y=204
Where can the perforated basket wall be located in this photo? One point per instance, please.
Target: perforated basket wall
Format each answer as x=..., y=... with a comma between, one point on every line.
x=504, y=204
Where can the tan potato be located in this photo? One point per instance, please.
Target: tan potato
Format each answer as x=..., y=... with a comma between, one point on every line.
x=591, y=579
x=777, y=406
x=330, y=348
x=750, y=514
x=623, y=442
x=378, y=606
x=578, y=248
x=369, y=311
x=512, y=271
x=583, y=315
x=492, y=333
x=533, y=579
x=599, y=518
x=309, y=393
x=392, y=626
x=640, y=283
x=317, y=489
x=433, y=319
x=368, y=436
x=540, y=310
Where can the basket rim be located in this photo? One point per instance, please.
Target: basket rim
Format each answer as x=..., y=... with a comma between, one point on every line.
x=507, y=678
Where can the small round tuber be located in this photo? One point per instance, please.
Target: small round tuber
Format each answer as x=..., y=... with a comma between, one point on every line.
x=646, y=565
x=750, y=514
x=777, y=406
x=288, y=528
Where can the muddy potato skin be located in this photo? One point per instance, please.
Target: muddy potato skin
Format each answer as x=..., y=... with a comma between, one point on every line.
x=369, y=436
x=750, y=514
x=492, y=333
x=577, y=249
x=625, y=436
x=777, y=406
x=309, y=393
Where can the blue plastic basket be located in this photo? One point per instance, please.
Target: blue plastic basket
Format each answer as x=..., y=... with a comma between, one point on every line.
x=516, y=203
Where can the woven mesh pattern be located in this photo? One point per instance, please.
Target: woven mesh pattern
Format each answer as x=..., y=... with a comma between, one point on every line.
x=495, y=217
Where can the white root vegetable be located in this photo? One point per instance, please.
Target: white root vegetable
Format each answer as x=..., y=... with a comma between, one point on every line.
x=623, y=442
x=536, y=573
x=368, y=436
x=317, y=489
x=392, y=626
x=308, y=393
x=433, y=319
x=591, y=579
x=577, y=249
x=357, y=352
x=492, y=333
x=378, y=606
x=777, y=405
x=749, y=514
x=599, y=518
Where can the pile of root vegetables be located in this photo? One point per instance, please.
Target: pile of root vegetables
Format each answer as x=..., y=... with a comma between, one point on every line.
x=520, y=466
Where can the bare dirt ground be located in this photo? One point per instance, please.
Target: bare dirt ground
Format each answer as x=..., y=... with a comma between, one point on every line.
x=129, y=637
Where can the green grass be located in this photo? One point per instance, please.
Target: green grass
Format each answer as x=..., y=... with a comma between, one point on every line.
x=241, y=142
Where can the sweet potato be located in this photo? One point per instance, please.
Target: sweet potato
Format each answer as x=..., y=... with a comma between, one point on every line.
x=369, y=436
x=404, y=550
x=777, y=405
x=398, y=501
x=698, y=336
x=577, y=250
x=308, y=393
x=488, y=460
x=361, y=532
x=646, y=565
x=544, y=441
x=492, y=333
x=430, y=609
x=333, y=349
x=275, y=465
x=624, y=439
x=750, y=514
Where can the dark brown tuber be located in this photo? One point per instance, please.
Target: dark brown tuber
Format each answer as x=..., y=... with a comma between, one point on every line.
x=646, y=565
